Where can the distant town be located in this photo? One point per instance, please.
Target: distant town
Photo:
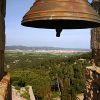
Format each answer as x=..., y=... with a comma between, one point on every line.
x=54, y=50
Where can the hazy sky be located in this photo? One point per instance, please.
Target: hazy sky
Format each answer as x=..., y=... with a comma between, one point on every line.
x=19, y=35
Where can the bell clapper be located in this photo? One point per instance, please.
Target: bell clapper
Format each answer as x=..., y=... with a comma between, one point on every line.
x=58, y=32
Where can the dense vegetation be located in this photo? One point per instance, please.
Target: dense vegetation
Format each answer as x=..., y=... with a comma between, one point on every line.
x=50, y=75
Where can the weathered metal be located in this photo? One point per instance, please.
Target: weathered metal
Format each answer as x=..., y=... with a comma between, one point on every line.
x=61, y=14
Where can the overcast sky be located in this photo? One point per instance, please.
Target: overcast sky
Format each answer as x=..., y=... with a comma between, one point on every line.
x=19, y=35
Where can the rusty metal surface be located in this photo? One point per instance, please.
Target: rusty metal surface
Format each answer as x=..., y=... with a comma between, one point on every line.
x=64, y=14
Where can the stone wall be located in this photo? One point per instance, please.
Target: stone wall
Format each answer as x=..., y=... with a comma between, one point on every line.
x=2, y=35
x=5, y=88
x=92, y=91
x=95, y=36
x=95, y=45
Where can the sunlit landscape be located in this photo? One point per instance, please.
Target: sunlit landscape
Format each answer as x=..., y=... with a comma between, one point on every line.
x=51, y=75
x=49, y=49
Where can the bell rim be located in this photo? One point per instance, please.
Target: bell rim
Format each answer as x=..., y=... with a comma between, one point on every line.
x=61, y=23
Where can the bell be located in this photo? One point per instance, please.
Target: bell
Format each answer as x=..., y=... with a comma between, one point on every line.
x=61, y=14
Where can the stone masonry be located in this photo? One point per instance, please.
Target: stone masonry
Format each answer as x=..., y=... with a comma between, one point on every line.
x=92, y=73
x=5, y=86
x=95, y=36
x=2, y=35
x=92, y=91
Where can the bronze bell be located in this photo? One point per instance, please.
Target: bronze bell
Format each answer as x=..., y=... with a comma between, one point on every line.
x=61, y=14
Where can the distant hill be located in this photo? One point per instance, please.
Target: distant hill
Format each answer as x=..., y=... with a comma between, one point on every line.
x=42, y=48
x=31, y=48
